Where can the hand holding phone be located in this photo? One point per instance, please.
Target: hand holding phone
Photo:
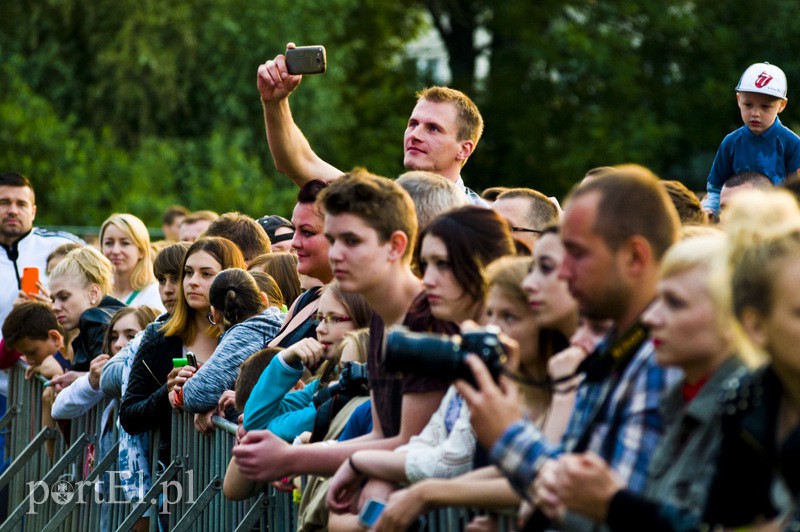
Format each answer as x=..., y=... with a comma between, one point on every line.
x=191, y=359
x=30, y=278
x=306, y=60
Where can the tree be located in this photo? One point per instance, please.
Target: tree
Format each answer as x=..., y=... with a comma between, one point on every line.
x=133, y=105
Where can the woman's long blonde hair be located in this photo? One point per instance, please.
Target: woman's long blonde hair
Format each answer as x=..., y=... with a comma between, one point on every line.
x=142, y=274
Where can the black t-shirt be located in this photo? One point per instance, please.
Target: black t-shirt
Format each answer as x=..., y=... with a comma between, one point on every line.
x=387, y=389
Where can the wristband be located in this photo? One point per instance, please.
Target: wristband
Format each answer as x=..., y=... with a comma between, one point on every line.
x=356, y=470
x=178, y=397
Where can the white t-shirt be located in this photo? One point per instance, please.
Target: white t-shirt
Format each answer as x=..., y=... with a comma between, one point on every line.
x=147, y=296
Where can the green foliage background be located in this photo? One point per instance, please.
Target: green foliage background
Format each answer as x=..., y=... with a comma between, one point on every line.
x=131, y=106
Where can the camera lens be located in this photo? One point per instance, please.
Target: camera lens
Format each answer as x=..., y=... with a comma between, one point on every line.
x=423, y=354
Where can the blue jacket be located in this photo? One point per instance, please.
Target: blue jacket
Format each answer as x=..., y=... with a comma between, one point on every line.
x=775, y=153
x=271, y=407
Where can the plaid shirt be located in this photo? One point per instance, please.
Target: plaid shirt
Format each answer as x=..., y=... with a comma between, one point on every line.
x=625, y=435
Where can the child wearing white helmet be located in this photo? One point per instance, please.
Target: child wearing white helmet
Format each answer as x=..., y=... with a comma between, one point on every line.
x=763, y=144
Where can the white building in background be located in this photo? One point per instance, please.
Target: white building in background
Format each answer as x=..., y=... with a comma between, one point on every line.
x=431, y=56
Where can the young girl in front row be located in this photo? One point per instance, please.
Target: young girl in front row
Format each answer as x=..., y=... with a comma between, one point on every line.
x=271, y=406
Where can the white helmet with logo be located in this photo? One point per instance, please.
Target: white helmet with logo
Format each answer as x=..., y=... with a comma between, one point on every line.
x=765, y=79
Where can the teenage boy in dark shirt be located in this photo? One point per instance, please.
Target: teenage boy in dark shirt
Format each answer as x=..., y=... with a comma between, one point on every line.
x=371, y=225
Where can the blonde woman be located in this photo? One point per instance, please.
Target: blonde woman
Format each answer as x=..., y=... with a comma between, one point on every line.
x=124, y=240
x=80, y=288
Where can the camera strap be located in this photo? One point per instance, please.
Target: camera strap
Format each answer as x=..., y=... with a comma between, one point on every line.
x=609, y=359
x=611, y=362
x=606, y=361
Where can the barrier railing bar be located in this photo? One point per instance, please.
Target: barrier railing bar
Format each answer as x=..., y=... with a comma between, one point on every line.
x=8, y=416
x=98, y=470
x=48, y=479
x=255, y=513
x=196, y=509
x=26, y=454
x=222, y=423
x=140, y=507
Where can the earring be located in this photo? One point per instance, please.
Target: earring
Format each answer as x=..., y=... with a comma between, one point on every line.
x=93, y=301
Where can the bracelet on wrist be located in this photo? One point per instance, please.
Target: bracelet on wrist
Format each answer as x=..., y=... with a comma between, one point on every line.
x=356, y=470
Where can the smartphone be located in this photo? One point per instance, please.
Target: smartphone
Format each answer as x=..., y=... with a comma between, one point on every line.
x=371, y=512
x=30, y=276
x=306, y=60
x=191, y=359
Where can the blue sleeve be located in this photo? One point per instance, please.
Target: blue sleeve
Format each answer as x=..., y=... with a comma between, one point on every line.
x=520, y=452
x=111, y=376
x=268, y=393
x=721, y=170
x=297, y=413
x=203, y=390
x=792, y=154
x=360, y=422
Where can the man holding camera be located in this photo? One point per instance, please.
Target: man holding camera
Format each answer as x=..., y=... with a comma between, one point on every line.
x=443, y=131
x=615, y=231
x=371, y=224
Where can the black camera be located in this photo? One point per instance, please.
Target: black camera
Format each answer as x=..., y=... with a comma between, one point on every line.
x=353, y=382
x=439, y=356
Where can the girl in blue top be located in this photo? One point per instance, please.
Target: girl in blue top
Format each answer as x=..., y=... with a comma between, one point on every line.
x=270, y=406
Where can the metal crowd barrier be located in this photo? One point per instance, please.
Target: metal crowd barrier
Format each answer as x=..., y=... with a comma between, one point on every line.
x=58, y=494
x=191, y=483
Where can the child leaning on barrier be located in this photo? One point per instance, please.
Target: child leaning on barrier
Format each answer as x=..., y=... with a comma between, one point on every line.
x=763, y=144
x=31, y=328
x=235, y=486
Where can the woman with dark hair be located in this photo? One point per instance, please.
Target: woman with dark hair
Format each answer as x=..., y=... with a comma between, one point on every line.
x=134, y=449
x=532, y=306
x=167, y=267
x=451, y=254
x=145, y=405
x=240, y=309
x=311, y=247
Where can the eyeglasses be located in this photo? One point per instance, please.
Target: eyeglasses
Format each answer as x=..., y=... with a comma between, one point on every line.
x=525, y=230
x=319, y=317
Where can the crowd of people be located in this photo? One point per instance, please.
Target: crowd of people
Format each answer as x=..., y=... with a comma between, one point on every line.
x=627, y=363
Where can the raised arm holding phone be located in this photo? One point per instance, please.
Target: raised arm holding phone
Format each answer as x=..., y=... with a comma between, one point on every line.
x=442, y=132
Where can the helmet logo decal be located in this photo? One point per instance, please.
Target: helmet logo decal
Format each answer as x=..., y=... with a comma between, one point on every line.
x=763, y=80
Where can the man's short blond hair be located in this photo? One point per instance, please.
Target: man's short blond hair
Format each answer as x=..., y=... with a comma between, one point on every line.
x=470, y=121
